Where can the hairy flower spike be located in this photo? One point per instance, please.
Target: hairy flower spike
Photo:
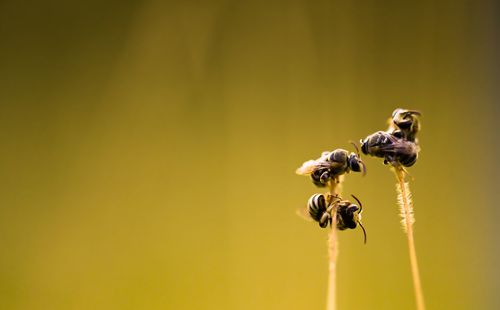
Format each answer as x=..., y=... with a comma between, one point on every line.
x=405, y=204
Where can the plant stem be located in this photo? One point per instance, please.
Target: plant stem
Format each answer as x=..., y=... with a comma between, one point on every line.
x=331, y=303
x=407, y=213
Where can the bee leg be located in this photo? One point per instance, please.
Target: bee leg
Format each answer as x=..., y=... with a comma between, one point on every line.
x=325, y=220
x=330, y=208
x=333, y=200
x=407, y=173
x=325, y=176
x=390, y=159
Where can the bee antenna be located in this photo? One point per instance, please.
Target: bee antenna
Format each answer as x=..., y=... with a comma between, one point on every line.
x=407, y=173
x=355, y=147
x=414, y=112
x=364, y=231
x=360, y=205
x=363, y=167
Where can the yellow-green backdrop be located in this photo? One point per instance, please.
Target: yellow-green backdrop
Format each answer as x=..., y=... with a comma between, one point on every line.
x=148, y=151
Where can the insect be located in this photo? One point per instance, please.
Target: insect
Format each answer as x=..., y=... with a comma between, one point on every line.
x=394, y=150
x=331, y=165
x=348, y=214
x=405, y=124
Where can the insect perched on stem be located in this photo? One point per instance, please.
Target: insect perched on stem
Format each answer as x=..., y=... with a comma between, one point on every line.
x=399, y=147
x=393, y=150
x=348, y=214
x=331, y=165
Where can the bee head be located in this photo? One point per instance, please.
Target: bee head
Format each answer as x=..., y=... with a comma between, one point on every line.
x=364, y=146
x=353, y=212
x=404, y=119
x=356, y=164
x=347, y=216
x=354, y=160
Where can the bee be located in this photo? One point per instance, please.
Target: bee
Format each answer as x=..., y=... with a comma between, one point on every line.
x=405, y=124
x=392, y=149
x=348, y=214
x=331, y=165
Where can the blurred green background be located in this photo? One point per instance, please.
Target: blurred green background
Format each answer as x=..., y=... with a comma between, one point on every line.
x=148, y=151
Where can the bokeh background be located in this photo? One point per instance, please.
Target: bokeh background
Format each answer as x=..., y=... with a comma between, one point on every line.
x=148, y=151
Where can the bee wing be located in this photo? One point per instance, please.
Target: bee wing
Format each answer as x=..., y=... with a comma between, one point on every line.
x=303, y=213
x=400, y=147
x=307, y=167
x=392, y=149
